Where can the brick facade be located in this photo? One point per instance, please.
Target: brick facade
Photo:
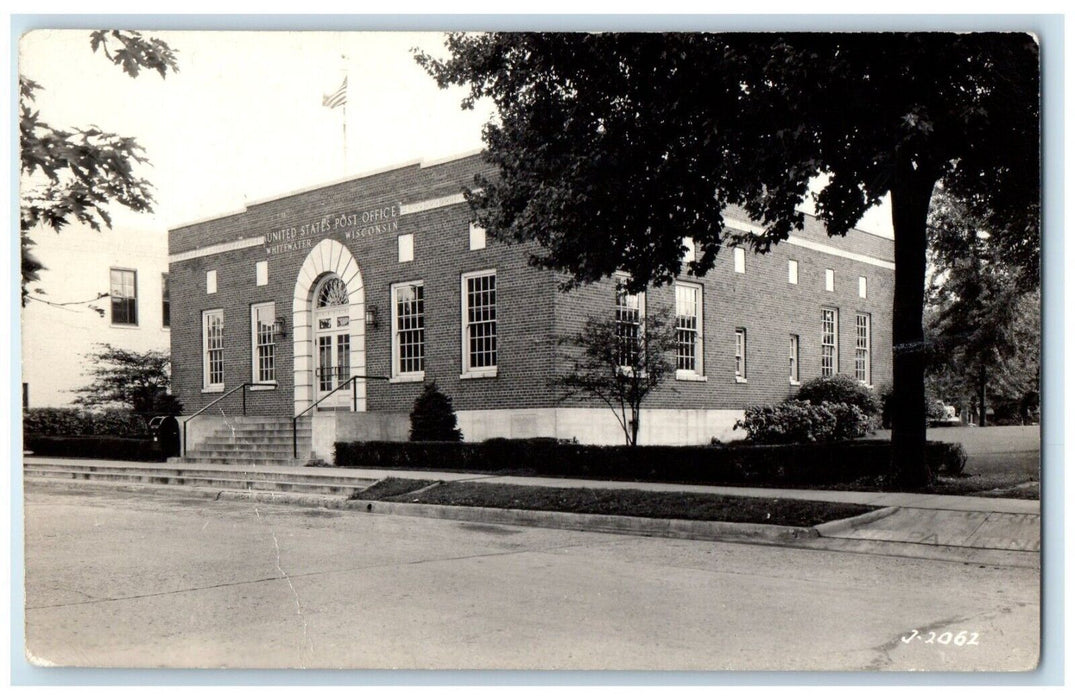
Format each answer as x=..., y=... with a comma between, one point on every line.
x=531, y=313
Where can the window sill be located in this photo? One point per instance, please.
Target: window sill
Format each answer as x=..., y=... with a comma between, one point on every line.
x=479, y=373
x=262, y=386
x=794, y=382
x=740, y=380
x=212, y=390
x=126, y=326
x=687, y=376
x=408, y=378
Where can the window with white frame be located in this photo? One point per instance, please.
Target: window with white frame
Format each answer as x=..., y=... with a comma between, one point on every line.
x=740, y=256
x=123, y=288
x=263, y=343
x=688, y=329
x=830, y=280
x=862, y=348
x=630, y=309
x=862, y=287
x=406, y=247
x=213, y=349
x=740, y=354
x=477, y=237
x=793, y=359
x=408, y=331
x=830, y=322
x=793, y=271
x=479, y=323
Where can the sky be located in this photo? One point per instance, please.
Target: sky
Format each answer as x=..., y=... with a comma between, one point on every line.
x=243, y=119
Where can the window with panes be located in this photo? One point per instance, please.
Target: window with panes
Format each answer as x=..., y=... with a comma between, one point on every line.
x=689, y=328
x=479, y=317
x=628, y=325
x=123, y=289
x=829, y=342
x=213, y=348
x=262, y=318
x=862, y=347
x=408, y=323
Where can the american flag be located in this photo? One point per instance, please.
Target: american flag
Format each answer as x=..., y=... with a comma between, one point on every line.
x=337, y=98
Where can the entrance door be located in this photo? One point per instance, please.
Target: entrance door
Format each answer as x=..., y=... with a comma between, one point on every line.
x=332, y=343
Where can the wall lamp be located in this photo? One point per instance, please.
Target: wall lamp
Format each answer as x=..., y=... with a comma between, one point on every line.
x=371, y=316
x=279, y=327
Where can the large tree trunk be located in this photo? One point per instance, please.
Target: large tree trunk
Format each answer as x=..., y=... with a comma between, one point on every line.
x=981, y=395
x=911, y=191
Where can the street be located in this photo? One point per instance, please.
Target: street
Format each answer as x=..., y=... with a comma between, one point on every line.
x=122, y=579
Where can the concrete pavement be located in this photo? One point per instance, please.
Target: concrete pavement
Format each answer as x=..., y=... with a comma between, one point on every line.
x=956, y=528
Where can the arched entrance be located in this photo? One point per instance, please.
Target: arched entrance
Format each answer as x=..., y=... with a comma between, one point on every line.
x=330, y=333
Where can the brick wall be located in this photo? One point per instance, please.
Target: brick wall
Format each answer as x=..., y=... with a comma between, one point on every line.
x=531, y=312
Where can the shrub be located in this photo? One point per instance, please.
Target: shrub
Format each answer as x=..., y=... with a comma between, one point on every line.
x=75, y=422
x=947, y=458
x=797, y=421
x=96, y=447
x=840, y=389
x=433, y=417
x=756, y=465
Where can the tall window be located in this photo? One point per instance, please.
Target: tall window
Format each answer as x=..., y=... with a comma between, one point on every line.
x=688, y=329
x=263, y=342
x=123, y=288
x=213, y=349
x=793, y=359
x=740, y=354
x=408, y=330
x=479, y=322
x=830, y=322
x=166, y=304
x=629, y=310
x=862, y=348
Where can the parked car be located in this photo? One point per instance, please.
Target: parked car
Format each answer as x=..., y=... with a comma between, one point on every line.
x=945, y=415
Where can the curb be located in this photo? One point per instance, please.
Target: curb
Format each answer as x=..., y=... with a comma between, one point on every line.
x=617, y=524
x=832, y=527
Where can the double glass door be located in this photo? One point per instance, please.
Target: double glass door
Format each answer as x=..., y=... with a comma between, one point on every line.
x=332, y=344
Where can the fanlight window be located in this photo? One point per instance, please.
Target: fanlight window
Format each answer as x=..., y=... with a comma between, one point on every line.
x=332, y=293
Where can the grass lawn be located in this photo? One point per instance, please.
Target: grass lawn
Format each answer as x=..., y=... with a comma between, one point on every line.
x=644, y=504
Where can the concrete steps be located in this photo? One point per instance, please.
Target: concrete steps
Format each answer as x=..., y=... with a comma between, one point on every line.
x=202, y=476
x=253, y=441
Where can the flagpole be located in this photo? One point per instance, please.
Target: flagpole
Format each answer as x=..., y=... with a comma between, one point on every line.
x=347, y=88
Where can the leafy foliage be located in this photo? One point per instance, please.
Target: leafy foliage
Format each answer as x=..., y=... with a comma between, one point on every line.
x=136, y=380
x=75, y=174
x=611, y=147
x=840, y=389
x=604, y=368
x=433, y=417
x=797, y=421
x=984, y=315
x=78, y=422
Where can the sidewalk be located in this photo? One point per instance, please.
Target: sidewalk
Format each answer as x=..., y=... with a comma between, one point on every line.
x=950, y=523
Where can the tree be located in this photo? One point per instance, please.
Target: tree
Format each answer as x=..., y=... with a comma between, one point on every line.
x=983, y=316
x=433, y=417
x=609, y=148
x=135, y=380
x=76, y=174
x=619, y=364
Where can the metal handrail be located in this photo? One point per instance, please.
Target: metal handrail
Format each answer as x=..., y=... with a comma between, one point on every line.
x=215, y=401
x=354, y=406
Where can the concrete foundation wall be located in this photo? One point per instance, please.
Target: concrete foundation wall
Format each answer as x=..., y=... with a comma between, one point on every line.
x=331, y=427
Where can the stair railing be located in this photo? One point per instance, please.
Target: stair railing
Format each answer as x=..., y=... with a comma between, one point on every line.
x=354, y=406
x=242, y=387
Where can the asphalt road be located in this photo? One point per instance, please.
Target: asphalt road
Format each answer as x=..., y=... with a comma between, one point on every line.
x=118, y=579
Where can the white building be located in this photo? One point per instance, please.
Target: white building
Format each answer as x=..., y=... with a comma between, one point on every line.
x=130, y=268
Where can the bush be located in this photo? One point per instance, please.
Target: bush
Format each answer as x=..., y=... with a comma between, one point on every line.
x=755, y=465
x=433, y=417
x=946, y=458
x=797, y=421
x=840, y=389
x=76, y=422
x=96, y=447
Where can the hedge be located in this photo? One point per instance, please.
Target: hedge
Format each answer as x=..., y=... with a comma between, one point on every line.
x=95, y=447
x=76, y=422
x=816, y=464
